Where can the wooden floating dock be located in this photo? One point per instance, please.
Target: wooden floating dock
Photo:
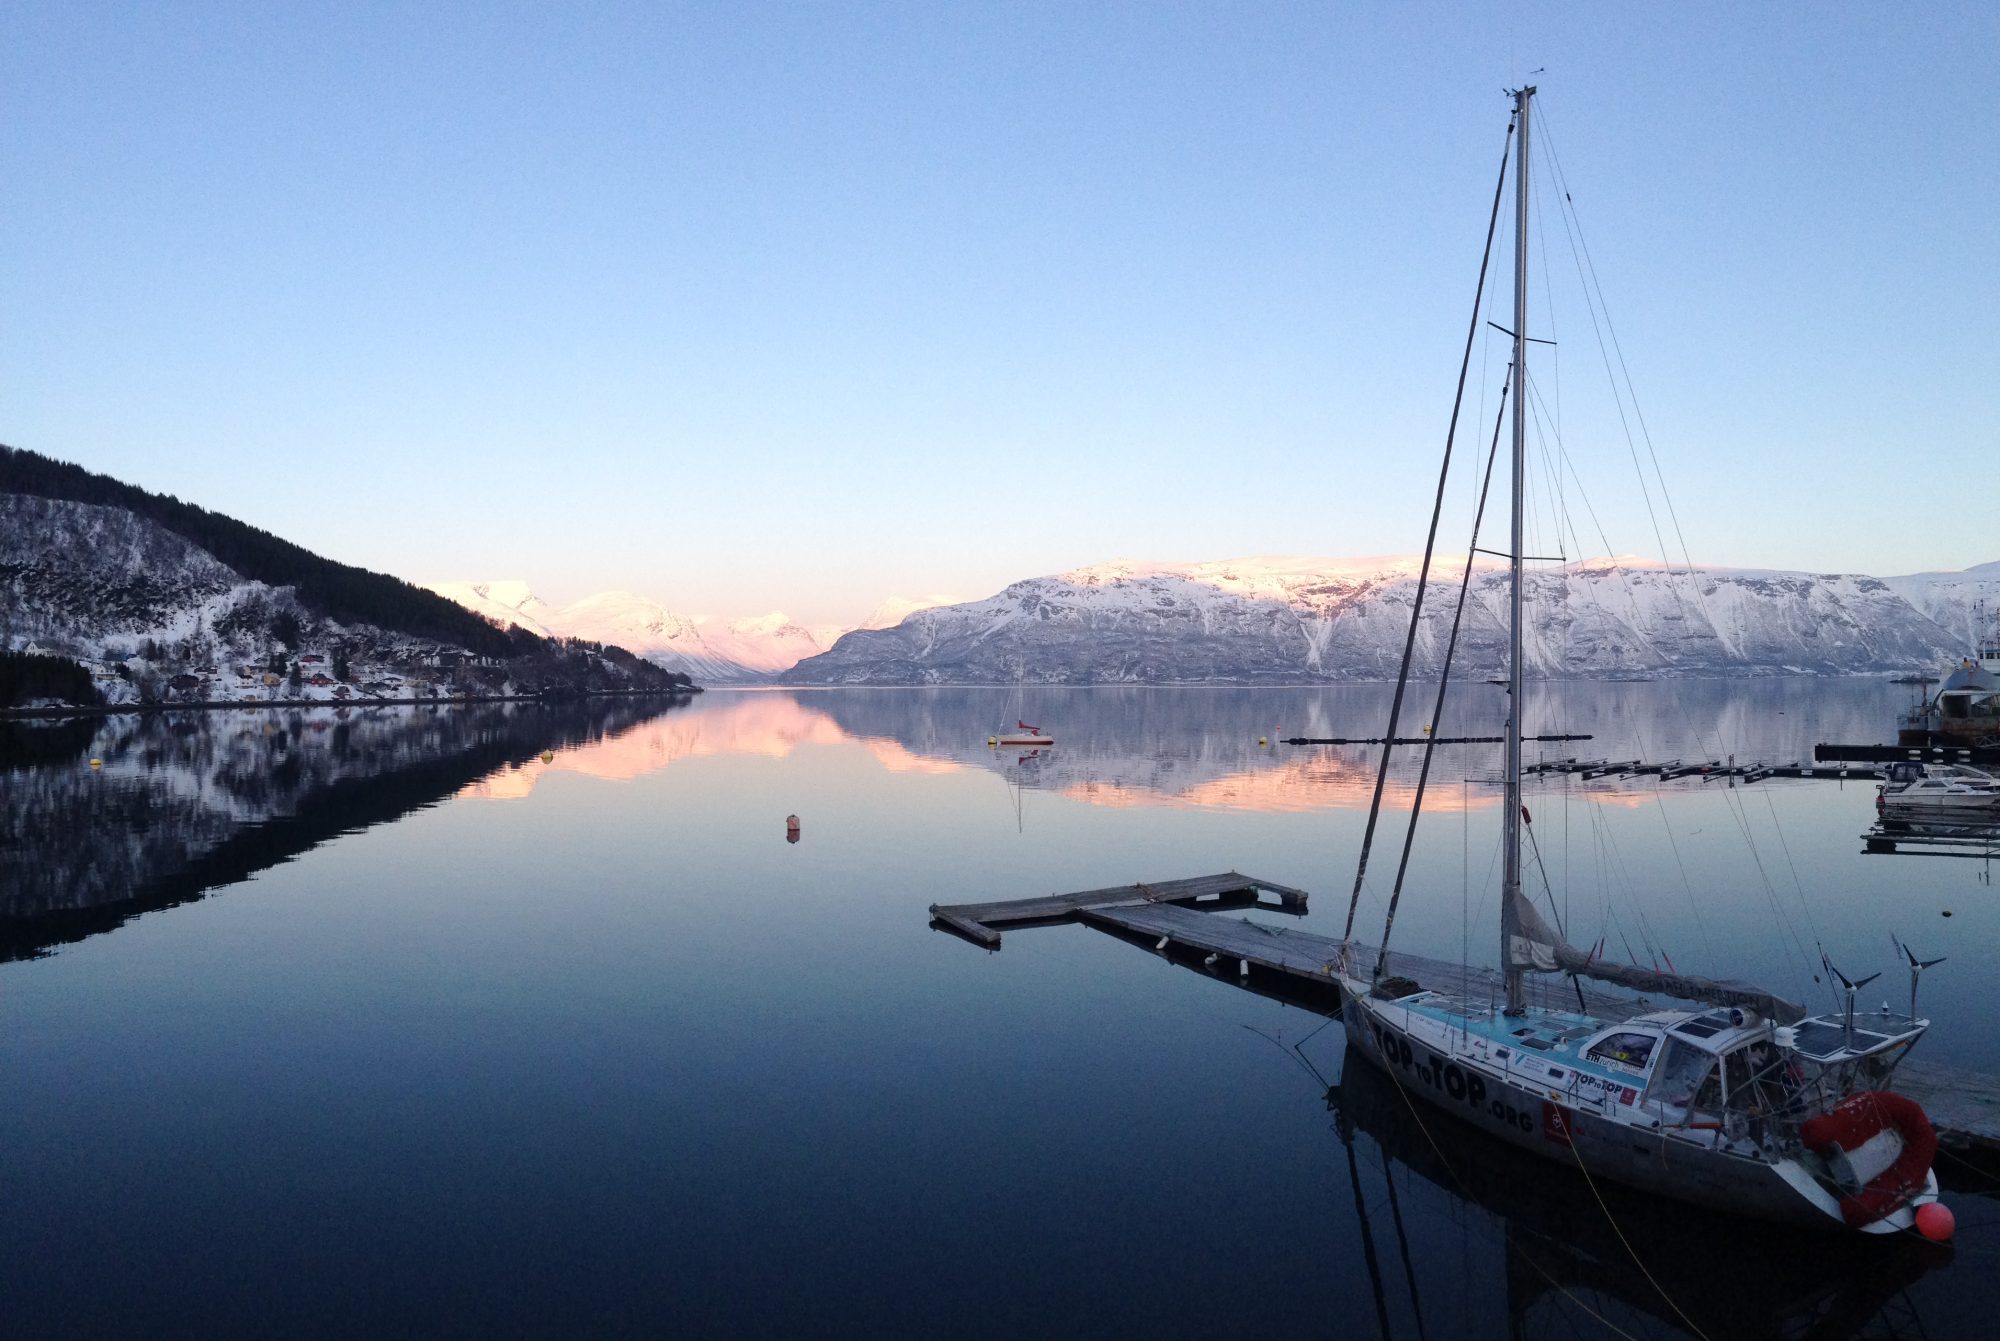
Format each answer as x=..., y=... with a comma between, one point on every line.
x=1923, y=754
x=1176, y=920
x=980, y=923
x=1890, y=838
x=1669, y=770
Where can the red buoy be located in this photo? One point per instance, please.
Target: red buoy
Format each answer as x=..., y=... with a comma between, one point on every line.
x=1935, y=1222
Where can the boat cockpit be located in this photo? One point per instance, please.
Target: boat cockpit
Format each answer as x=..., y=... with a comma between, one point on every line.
x=1730, y=1073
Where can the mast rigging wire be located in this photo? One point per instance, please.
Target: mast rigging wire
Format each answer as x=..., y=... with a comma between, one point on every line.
x=1430, y=541
x=1444, y=683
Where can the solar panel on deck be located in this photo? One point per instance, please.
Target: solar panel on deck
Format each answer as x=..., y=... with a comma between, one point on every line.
x=1821, y=1040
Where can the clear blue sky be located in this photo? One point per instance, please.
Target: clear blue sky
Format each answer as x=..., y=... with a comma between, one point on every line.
x=749, y=306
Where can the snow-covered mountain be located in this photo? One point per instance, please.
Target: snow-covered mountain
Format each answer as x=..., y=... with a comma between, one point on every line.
x=1964, y=604
x=82, y=577
x=1294, y=620
x=713, y=651
x=710, y=650
x=897, y=609
x=502, y=602
x=159, y=601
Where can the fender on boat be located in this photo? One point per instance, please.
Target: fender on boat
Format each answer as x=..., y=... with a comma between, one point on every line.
x=1852, y=1123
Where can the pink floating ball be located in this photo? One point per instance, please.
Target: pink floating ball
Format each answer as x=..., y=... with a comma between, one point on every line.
x=1935, y=1222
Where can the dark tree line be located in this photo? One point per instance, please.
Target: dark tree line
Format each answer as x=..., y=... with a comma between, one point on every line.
x=335, y=591
x=25, y=677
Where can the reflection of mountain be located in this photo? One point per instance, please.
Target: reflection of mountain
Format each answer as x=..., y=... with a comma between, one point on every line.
x=1561, y=1258
x=771, y=725
x=187, y=802
x=1136, y=746
x=1199, y=748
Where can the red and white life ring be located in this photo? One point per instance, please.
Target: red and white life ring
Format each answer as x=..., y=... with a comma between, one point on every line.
x=1869, y=1123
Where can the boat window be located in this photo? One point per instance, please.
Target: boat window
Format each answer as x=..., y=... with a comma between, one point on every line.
x=1686, y=1078
x=1633, y=1050
x=1700, y=1027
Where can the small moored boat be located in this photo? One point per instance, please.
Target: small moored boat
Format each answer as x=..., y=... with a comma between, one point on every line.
x=1951, y=789
x=1025, y=734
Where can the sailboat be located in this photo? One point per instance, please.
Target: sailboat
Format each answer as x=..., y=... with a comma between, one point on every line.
x=1025, y=734
x=1740, y=1102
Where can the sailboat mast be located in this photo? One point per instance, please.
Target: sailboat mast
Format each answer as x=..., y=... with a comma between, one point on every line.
x=1510, y=879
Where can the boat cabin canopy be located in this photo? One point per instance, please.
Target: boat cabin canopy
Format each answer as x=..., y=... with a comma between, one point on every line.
x=1823, y=1038
x=1709, y=1061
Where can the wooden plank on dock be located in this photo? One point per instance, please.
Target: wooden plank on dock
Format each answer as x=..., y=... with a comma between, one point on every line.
x=1931, y=754
x=981, y=922
x=966, y=927
x=1282, y=949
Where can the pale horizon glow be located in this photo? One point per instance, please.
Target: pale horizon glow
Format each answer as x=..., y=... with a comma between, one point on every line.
x=801, y=308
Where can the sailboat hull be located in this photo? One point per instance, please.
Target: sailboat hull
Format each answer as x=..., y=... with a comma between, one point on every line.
x=1556, y=1121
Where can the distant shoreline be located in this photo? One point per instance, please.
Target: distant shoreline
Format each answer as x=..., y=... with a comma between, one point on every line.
x=254, y=705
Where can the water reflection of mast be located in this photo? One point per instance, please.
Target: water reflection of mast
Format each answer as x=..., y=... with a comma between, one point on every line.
x=1554, y=1245
x=1367, y=1237
x=1026, y=773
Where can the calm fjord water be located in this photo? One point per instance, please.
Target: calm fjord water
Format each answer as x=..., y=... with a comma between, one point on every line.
x=375, y=1022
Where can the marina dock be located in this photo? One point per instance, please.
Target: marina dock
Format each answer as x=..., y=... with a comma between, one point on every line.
x=1902, y=837
x=980, y=923
x=1923, y=754
x=1177, y=920
x=1701, y=769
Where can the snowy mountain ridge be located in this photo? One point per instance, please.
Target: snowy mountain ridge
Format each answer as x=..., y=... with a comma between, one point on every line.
x=1298, y=619
x=713, y=651
x=152, y=616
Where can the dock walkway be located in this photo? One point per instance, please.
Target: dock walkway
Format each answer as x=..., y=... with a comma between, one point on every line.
x=980, y=923
x=1701, y=770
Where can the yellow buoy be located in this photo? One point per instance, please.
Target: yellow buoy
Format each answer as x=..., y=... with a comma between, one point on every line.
x=548, y=756
x=1261, y=742
x=991, y=741
x=97, y=763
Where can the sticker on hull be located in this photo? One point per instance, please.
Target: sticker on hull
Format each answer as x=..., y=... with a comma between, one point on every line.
x=1451, y=1082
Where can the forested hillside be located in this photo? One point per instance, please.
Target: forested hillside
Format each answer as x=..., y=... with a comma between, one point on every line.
x=336, y=591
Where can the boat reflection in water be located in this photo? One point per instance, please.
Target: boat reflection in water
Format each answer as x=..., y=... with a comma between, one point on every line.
x=1667, y=1269
x=1902, y=834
